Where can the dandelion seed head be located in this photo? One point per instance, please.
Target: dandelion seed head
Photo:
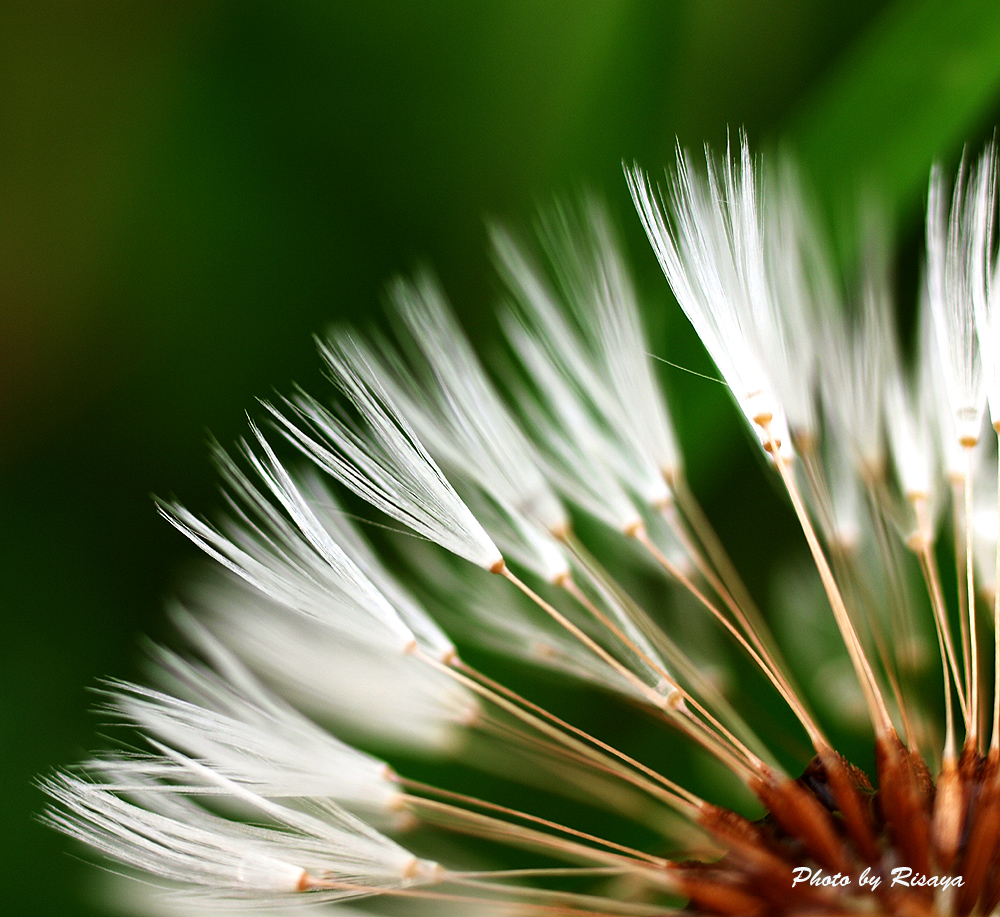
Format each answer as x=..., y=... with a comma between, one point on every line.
x=301, y=749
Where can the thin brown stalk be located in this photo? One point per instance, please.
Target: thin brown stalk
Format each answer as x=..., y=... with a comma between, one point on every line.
x=457, y=818
x=738, y=746
x=429, y=789
x=505, y=907
x=958, y=528
x=613, y=593
x=973, y=735
x=932, y=577
x=624, y=908
x=654, y=696
x=749, y=619
x=873, y=697
x=775, y=677
x=677, y=796
x=939, y=623
x=995, y=737
x=708, y=740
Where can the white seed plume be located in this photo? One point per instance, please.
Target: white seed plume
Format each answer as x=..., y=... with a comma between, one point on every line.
x=846, y=498
x=408, y=705
x=913, y=424
x=335, y=520
x=463, y=419
x=949, y=447
x=598, y=288
x=910, y=437
x=279, y=546
x=242, y=796
x=861, y=354
x=383, y=461
x=183, y=842
x=136, y=899
x=521, y=539
x=802, y=289
x=711, y=250
x=249, y=735
x=634, y=437
x=988, y=307
x=959, y=253
x=173, y=838
x=575, y=452
x=985, y=522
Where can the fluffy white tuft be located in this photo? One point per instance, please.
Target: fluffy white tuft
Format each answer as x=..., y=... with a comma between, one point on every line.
x=802, y=290
x=597, y=287
x=171, y=837
x=576, y=453
x=711, y=249
x=598, y=372
x=382, y=460
x=462, y=417
x=861, y=355
x=408, y=706
x=233, y=724
x=959, y=252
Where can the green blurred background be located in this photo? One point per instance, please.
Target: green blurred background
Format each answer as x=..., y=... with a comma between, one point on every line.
x=188, y=190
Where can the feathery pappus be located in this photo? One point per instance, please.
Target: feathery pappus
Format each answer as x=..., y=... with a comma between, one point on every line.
x=533, y=490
